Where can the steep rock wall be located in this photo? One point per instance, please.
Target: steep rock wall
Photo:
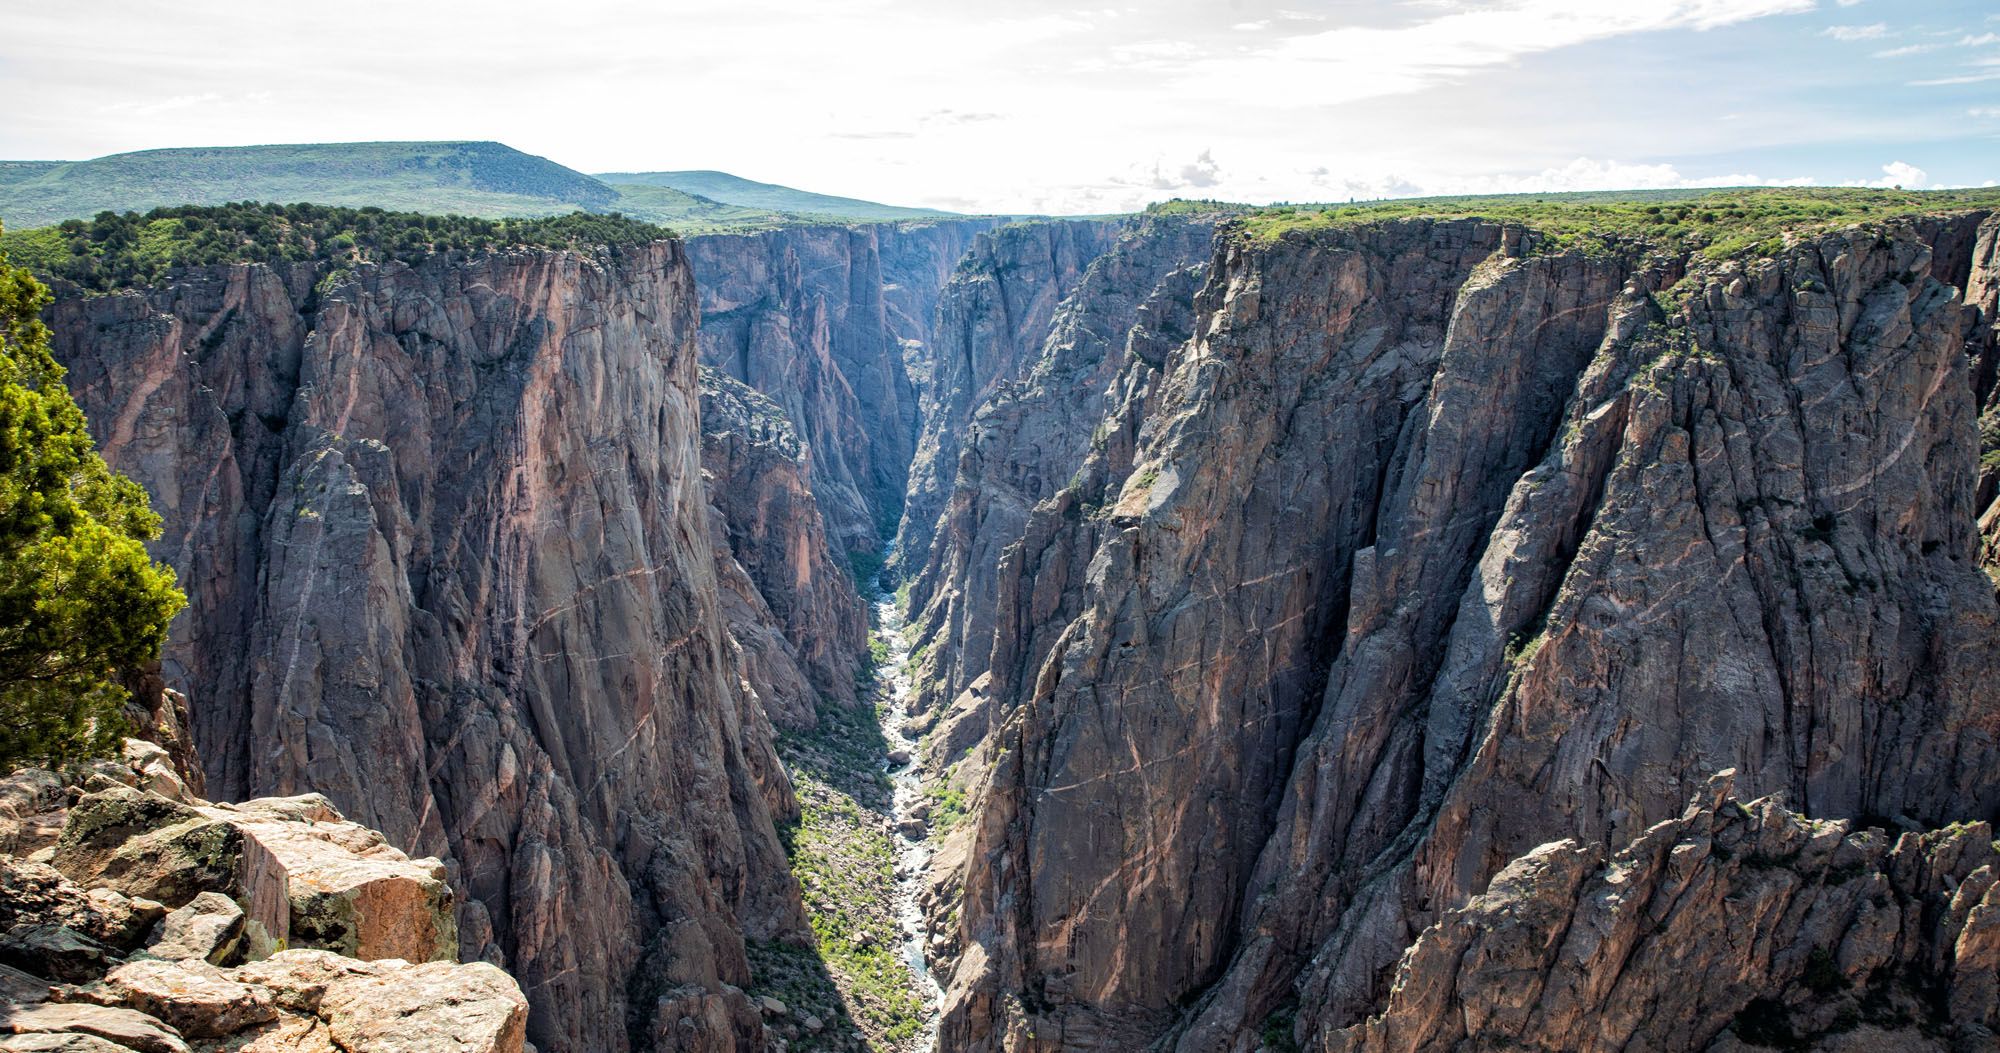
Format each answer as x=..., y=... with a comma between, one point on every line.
x=771, y=531
x=1426, y=529
x=991, y=321
x=822, y=320
x=450, y=563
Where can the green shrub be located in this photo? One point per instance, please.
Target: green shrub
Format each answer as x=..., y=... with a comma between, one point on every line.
x=80, y=601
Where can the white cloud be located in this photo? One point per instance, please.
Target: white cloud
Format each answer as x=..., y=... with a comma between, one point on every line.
x=1907, y=49
x=1200, y=174
x=154, y=107
x=1966, y=78
x=1251, y=27
x=1021, y=107
x=1983, y=111
x=1897, y=173
x=1982, y=40
x=1350, y=63
x=1850, y=33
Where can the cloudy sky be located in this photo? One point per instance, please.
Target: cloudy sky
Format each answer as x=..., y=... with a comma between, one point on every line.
x=1043, y=106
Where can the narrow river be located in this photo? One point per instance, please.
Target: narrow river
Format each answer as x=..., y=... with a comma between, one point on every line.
x=913, y=851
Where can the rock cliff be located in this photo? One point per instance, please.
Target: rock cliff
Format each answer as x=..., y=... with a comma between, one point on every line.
x=826, y=321
x=450, y=563
x=1319, y=635
x=991, y=320
x=1435, y=543
x=770, y=526
x=137, y=916
x=1730, y=927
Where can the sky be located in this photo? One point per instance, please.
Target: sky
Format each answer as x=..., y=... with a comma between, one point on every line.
x=1050, y=107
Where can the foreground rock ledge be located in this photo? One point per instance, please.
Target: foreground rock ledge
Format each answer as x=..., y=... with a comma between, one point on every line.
x=153, y=921
x=1736, y=926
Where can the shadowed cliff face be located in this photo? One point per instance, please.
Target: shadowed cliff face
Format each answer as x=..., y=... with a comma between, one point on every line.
x=821, y=320
x=790, y=602
x=449, y=559
x=1428, y=548
x=992, y=318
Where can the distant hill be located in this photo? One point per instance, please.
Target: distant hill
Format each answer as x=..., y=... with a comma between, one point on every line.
x=480, y=179
x=735, y=190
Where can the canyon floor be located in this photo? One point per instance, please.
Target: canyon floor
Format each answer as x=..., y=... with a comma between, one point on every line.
x=859, y=849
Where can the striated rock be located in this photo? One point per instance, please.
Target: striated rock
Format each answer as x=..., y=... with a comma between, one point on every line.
x=825, y=320
x=1732, y=924
x=758, y=470
x=1429, y=547
x=1030, y=440
x=448, y=556
x=992, y=318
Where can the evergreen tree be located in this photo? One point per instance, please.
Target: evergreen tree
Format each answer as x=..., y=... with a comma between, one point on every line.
x=80, y=601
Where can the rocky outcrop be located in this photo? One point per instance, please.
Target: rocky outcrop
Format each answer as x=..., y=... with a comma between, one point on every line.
x=758, y=472
x=449, y=561
x=295, y=930
x=991, y=321
x=825, y=321
x=1731, y=927
x=1982, y=291
x=1432, y=545
x=1028, y=439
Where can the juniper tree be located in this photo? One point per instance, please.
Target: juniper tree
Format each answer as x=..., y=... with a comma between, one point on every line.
x=80, y=601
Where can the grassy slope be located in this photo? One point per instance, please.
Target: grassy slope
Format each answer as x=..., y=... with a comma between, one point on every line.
x=735, y=190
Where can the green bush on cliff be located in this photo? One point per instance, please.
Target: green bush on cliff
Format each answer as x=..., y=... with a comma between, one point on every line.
x=120, y=249
x=80, y=602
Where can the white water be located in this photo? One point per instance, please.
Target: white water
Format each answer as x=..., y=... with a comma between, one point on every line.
x=913, y=853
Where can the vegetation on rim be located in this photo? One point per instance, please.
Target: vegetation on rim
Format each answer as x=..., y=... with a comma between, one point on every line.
x=121, y=249
x=1719, y=223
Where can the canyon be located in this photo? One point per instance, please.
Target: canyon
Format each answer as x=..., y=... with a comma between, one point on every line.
x=1415, y=634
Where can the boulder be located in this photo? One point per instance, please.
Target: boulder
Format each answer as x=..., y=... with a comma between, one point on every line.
x=437, y=1007
x=124, y=1028
x=142, y=844
x=304, y=876
x=31, y=804
x=196, y=999
x=209, y=928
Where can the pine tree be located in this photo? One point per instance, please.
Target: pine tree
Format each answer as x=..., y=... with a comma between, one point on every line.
x=80, y=601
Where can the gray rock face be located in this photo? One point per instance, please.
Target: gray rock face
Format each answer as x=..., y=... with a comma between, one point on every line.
x=1028, y=440
x=1431, y=547
x=991, y=321
x=821, y=320
x=1729, y=927
x=449, y=560
x=758, y=472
